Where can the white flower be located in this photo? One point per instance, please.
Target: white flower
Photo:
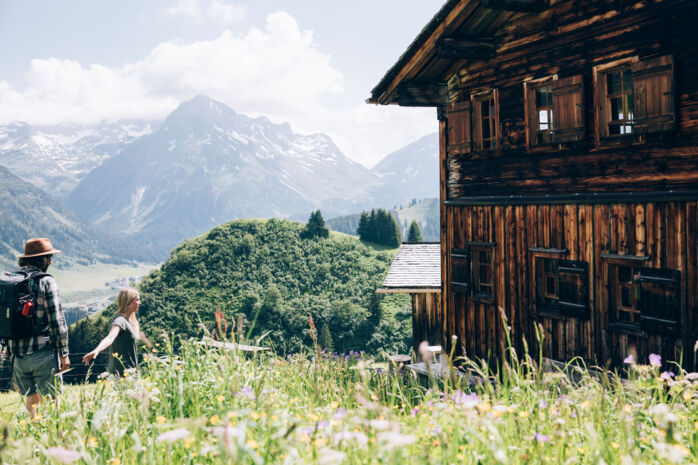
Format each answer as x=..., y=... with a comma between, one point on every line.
x=174, y=435
x=361, y=438
x=63, y=455
x=397, y=439
x=380, y=424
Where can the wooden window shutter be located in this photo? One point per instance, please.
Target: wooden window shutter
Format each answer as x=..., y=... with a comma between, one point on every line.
x=531, y=117
x=603, y=106
x=654, y=95
x=660, y=300
x=477, y=124
x=568, y=109
x=459, y=140
x=460, y=271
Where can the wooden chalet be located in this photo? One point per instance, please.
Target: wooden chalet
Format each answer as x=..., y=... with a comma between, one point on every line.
x=416, y=270
x=569, y=173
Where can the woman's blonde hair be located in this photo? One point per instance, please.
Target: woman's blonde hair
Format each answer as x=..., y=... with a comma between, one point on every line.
x=124, y=301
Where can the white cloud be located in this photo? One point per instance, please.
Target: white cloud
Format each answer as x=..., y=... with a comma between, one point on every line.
x=276, y=71
x=201, y=11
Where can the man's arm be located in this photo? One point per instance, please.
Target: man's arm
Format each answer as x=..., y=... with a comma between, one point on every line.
x=56, y=319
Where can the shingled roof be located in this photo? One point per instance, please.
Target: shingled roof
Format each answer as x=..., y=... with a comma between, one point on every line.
x=415, y=268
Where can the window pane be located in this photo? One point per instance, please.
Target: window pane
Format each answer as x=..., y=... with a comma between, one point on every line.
x=629, y=106
x=485, y=107
x=484, y=257
x=625, y=274
x=543, y=97
x=550, y=285
x=617, y=108
x=613, y=82
x=615, y=129
x=627, y=81
x=484, y=274
x=549, y=265
x=460, y=268
x=625, y=297
x=543, y=117
x=486, y=129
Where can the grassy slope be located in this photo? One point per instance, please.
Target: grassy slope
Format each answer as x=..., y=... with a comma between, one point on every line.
x=217, y=408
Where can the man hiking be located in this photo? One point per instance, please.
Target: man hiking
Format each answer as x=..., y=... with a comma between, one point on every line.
x=38, y=357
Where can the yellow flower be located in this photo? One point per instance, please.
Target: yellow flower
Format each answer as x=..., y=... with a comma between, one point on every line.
x=586, y=404
x=114, y=461
x=220, y=399
x=254, y=415
x=214, y=420
x=38, y=417
x=188, y=442
x=374, y=397
x=334, y=405
x=615, y=445
x=23, y=422
x=92, y=441
x=160, y=419
x=484, y=407
x=687, y=395
x=523, y=414
x=461, y=447
x=628, y=409
x=510, y=409
x=251, y=443
x=580, y=450
x=232, y=414
x=695, y=425
x=460, y=456
x=274, y=418
x=436, y=443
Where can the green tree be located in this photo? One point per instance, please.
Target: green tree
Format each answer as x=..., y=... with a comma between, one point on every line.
x=415, y=235
x=325, y=339
x=315, y=227
x=379, y=227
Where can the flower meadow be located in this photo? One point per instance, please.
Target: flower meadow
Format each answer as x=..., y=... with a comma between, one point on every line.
x=211, y=406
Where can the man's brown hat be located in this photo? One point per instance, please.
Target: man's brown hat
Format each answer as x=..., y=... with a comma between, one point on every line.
x=37, y=247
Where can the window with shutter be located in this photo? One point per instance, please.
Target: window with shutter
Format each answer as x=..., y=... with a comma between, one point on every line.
x=458, y=117
x=472, y=271
x=653, y=94
x=485, y=121
x=646, y=299
x=483, y=272
x=568, y=108
x=561, y=287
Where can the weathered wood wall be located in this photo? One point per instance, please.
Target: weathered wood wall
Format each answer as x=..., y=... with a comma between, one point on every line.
x=427, y=318
x=667, y=232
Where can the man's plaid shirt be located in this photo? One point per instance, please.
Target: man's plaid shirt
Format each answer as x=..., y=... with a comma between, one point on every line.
x=48, y=306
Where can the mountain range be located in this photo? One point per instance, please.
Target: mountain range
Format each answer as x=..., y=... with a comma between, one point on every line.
x=204, y=165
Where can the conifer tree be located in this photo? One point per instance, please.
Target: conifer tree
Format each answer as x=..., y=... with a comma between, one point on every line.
x=325, y=339
x=415, y=234
x=315, y=227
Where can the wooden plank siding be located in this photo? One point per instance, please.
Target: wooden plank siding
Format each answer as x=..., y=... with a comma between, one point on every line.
x=426, y=319
x=586, y=232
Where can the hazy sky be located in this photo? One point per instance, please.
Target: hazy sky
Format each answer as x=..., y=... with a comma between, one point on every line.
x=312, y=63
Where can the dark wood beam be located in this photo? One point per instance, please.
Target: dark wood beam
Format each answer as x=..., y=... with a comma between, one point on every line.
x=457, y=48
x=517, y=5
x=431, y=95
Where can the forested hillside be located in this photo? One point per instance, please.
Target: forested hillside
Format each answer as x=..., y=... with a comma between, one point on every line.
x=265, y=271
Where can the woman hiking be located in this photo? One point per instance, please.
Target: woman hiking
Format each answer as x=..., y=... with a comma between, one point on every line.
x=123, y=335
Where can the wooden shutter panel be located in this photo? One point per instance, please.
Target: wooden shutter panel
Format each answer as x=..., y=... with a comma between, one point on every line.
x=458, y=116
x=603, y=106
x=531, y=117
x=477, y=124
x=568, y=109
x=660, y=300
x=460, y=271
x=653, y=95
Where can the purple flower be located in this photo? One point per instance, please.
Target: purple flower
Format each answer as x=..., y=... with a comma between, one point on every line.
x=465, y=400
x=629, y=360
x=667, y=375
x=247, y=392
x=414, y=411
x=655, y=360
x=542, y=404
x=541, y=437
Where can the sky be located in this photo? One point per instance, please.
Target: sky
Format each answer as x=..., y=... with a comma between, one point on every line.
x=311, y=63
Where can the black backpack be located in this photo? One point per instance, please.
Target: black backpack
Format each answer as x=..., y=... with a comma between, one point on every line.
x=17, y=305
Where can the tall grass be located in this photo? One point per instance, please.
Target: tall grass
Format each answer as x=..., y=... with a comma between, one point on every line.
x=211, y=406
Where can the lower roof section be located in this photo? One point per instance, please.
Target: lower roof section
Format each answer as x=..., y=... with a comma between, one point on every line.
x=416, y=268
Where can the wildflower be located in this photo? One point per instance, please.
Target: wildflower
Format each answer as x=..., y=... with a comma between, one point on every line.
x=22, y=422
x=232, y=414
x=254, y=415
x=484, y=407
x=655, y=360
x=92, y=441
x=414, y=411
x=666, y=375
x=397, y=439
x=465, y=400
x=251, y=443
x=615, y=445
x=247, y=392
x=63, y=455
x=214, y=420
x=174, y=435
x=160, y=419
x=220, y=399
x=541, y=437
x=114, y=461
x=687, y=395
x=523, y=414
x=460, y=456
x=628, y=409
x=330, y=457
x=351, y=436
x=629, y=360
